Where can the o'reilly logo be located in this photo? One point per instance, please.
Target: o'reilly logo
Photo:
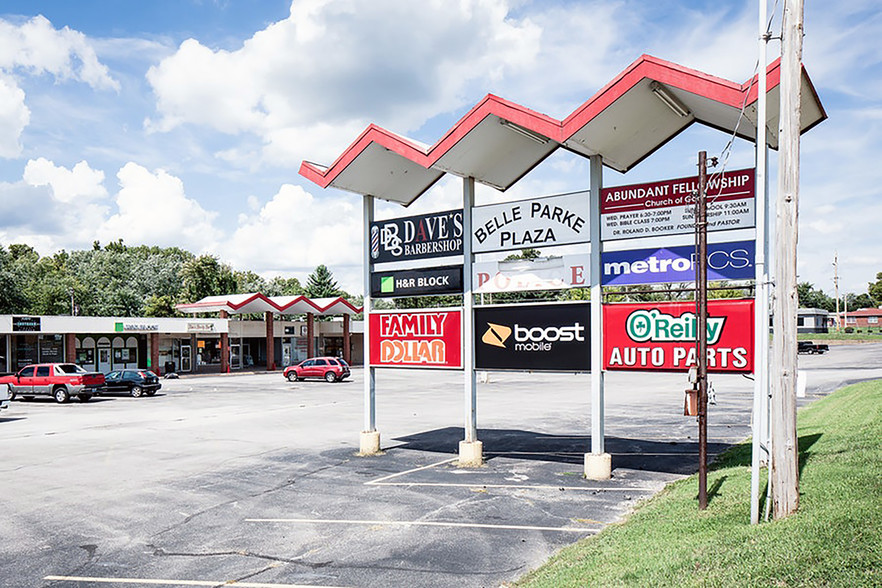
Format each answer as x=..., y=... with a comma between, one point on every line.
x=527, y=338
x=656, y=326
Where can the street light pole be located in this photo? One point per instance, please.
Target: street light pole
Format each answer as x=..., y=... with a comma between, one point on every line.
x=701, y=325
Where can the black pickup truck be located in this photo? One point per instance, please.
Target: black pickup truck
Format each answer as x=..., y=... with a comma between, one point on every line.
x=810, y=347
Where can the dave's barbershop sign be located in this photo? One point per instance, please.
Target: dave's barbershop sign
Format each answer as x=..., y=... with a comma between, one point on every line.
x=438, y=234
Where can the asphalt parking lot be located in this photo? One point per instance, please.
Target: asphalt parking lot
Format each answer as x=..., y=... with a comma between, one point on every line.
x=250, y=480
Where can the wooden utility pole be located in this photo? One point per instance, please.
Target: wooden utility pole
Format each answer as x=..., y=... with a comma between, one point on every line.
x=701, y=324
x=785, y=451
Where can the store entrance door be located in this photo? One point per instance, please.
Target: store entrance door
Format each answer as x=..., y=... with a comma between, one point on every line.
x=103, y=359
x=286, y=354
x=186, y=359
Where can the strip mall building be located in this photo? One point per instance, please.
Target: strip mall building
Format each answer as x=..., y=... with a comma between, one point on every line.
x=188, y=345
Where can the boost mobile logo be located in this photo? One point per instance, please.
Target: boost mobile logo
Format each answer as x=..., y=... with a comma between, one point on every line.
x=496, y=335
x=532, y=338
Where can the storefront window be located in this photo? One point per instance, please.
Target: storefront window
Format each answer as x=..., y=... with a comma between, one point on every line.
x=25, y=351
x=51, y=348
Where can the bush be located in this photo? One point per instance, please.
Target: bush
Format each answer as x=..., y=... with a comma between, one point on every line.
x=849, y=329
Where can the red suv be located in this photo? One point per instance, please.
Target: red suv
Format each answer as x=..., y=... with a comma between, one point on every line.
x=331, y=369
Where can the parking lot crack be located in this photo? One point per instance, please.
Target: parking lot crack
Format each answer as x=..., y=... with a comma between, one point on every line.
x=160, y=552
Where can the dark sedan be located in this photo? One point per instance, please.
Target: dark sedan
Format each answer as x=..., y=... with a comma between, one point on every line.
x=134, y=382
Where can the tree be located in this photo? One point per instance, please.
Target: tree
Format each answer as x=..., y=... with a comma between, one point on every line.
x=206, y=276
x=160, y=306
x=12, y=296
x=858, y=301
x=875, y=289
x=321, y=284
x=809, y=297
x=280, y=286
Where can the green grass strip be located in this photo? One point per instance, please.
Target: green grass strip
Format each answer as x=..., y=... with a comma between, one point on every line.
x=835, y=539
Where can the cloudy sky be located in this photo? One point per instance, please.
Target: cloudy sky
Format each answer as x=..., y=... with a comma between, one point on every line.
x=184, y=122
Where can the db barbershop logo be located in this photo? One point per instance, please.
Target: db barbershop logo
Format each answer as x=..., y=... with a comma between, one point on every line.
x=532, y=338
x=417, y=237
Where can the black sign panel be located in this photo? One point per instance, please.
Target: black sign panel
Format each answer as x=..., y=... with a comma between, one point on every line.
x=445, y=279
x=533, y=337
x=25, y=323
x=438, y=234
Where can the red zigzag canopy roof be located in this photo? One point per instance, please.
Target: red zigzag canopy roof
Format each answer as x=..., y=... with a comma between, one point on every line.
x=497, y=142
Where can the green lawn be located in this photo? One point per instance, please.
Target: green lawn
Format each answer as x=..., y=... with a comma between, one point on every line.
x=864, y=335
x=834, y=540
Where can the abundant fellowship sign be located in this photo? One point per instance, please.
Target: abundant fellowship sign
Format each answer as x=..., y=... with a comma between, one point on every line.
x=667, y=207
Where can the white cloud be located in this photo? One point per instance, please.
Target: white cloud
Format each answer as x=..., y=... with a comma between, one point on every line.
x=155, y=210
x=14, y=117
x=336, y=66
x=37, y=47
x=68, y=185
x=296, y=231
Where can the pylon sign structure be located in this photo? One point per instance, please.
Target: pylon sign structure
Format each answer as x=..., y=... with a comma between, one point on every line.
x=496, y=143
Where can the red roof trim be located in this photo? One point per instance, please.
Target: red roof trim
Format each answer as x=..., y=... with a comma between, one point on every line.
x=645, y=67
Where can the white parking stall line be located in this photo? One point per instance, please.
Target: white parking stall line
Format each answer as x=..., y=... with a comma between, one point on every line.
x=410, y=471
x=422, y=524
x=166, y=582
x=527, y=486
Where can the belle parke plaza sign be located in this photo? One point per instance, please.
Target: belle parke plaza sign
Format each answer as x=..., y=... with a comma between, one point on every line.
x=660, y=336
x=425, y=339
x=539, y=222
x=667, y=207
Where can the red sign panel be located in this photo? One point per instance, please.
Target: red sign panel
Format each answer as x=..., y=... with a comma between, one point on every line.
x=429, y=339
x=667, y=207
x=660, y=336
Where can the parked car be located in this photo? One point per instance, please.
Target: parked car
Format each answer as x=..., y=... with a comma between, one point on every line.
x=331, y=369
x=59, y=380
x=5, y=396
x=134, y=382
x=811, y=347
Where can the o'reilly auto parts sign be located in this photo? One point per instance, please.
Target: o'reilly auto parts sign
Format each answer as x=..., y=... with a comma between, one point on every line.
x=438, y=234
x=660, y=336
x=725, y=261
x=421, y=282
x=533, y=337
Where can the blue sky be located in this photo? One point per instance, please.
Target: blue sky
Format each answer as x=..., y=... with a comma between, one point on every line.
x=184, y=122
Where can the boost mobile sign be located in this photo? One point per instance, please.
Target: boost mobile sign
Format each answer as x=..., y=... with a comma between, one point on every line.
x=667, y=207
x=438, y=234
x=533, y=337
x=725, y=261
x=541, y=222
x=660, y=336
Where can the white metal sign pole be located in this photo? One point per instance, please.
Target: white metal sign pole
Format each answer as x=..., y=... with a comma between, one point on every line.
x=761, y=308
x=598, y=463
x=470, y=449
x=370, y=437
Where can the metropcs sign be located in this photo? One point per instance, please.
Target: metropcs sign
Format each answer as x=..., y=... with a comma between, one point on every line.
x=660, y=336
x=416, y=339
x=725, y=261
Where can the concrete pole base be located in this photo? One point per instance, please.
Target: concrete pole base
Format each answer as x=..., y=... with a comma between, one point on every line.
x=471, y=454
x=598, y=466
x=369, y=443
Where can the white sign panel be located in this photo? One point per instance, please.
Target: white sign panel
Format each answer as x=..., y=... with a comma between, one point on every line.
x=541, y=222
x=544, y=273
x=668, y=207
